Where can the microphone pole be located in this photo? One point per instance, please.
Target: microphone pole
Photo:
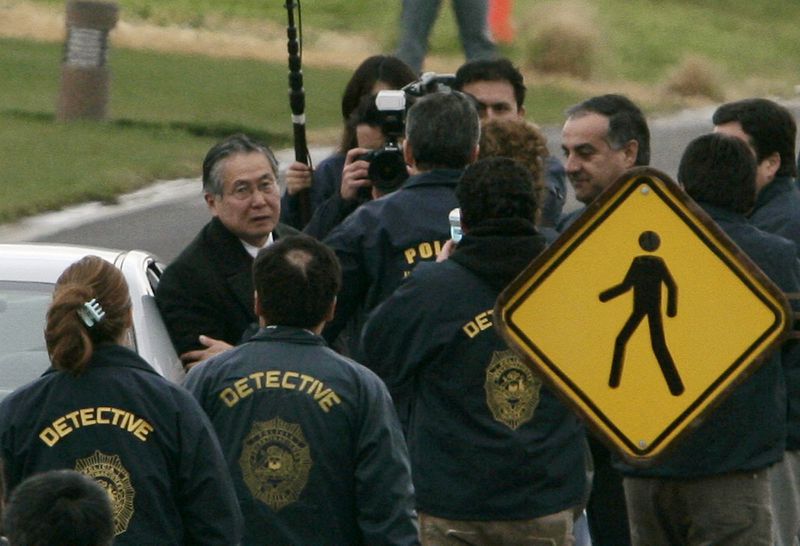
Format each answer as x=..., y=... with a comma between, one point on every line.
x=297, y=102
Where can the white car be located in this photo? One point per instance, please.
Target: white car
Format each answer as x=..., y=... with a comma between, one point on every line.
x=28, y=273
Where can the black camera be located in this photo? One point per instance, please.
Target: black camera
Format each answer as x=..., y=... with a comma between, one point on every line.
x=387, y=168
x=430, y=82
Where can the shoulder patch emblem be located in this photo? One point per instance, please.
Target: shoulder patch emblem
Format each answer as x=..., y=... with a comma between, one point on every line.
x=275, y=462
x=512, y=390
x=108, y=471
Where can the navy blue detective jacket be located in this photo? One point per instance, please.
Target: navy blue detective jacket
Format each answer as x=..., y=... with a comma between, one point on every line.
x=140, y=436
x=487, y=440
x=777, y=211
x=384, y=239
x=747, y=431
x=312, y=441
x=556, y=191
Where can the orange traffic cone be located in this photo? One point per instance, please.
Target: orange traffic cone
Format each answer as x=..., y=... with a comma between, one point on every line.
x=500, y=20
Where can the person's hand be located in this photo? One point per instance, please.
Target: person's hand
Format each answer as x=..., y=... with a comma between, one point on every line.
x=355, y=174
x=446, y=250
x=298, y=177
x=212, y=347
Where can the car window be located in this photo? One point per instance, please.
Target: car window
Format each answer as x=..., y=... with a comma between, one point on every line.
x=154, y=271
x=23, y=354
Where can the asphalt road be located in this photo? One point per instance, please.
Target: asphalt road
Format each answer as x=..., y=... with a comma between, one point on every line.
x=164, y=223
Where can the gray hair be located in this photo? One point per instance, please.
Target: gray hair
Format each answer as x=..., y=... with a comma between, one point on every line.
x=443, y=130
x=234, y=144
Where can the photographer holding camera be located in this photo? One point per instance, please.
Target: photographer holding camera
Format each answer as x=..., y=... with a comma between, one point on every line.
x=380, y=243
x=375, y=167
x=374, y=74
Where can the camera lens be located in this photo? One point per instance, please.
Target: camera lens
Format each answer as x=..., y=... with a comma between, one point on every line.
x=387, y=170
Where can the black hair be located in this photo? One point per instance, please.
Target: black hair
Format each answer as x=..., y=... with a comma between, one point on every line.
x=377, y=68
x=626, y=122
x=494, y=188
x=719, y=170
x=234, y=144
x=59, y=508
x=492, y=70
x=443, y=130
x=296, y=279
x=770, y=127
x=367, y=112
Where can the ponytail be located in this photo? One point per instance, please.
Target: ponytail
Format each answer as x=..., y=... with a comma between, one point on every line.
x=68, y=341
x=70, y=337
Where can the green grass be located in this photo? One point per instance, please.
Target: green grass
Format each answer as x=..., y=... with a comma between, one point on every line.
x=54, y=164
x=342, y=15
x=159, y=87
x=166, y=109
x=192, y=88
x=546, y=104
x=640, y=39
x=165, y=112
x=743, y=38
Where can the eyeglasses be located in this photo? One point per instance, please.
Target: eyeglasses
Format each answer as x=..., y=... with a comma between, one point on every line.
x=244, y=191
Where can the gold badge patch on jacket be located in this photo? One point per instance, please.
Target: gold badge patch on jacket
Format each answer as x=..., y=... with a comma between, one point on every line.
x=108, y=471
x=512, y=391
x=275, y=462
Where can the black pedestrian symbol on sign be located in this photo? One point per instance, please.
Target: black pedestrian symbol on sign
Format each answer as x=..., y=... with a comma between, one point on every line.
x=645, y=276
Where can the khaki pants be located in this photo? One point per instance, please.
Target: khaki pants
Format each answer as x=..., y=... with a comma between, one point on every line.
x=552, y=530
x=731, y=509
x=784, y=479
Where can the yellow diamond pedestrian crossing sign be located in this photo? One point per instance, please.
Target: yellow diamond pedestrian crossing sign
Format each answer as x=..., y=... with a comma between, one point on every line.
x=643, y=314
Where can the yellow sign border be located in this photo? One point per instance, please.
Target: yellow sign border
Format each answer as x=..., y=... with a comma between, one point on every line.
x=714, y=239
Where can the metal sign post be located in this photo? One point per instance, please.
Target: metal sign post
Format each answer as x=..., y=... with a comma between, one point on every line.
x=84, y=71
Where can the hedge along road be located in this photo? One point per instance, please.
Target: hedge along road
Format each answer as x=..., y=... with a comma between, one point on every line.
x=166, y=217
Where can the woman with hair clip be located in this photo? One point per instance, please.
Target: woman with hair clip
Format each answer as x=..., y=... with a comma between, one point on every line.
x=103, y=411
x=374, y=74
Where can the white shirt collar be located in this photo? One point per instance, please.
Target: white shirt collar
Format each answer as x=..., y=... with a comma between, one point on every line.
x=253, y=250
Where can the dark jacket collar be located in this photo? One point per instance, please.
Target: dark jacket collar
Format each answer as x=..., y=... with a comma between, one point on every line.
x=111, y=355
x=226, y=245
x=229, y=247
x=723, y=215
x=498, y=250
x=779, y=186
x=434, y=177
x=289, y=334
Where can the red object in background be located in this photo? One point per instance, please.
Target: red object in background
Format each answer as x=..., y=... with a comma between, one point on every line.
x=500, y=20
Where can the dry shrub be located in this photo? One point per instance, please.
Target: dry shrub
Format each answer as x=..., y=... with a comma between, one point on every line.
x=559, y=39
x=695, y=76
